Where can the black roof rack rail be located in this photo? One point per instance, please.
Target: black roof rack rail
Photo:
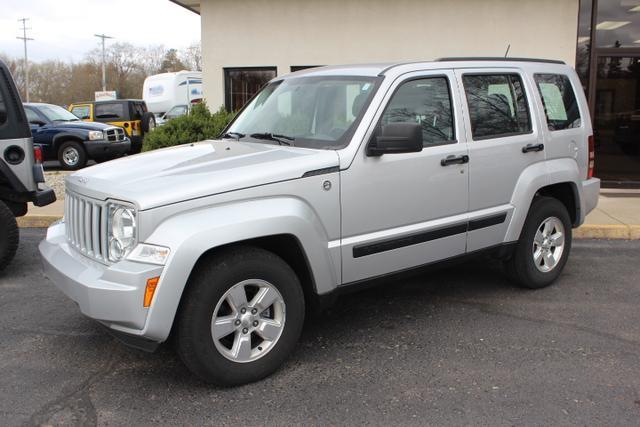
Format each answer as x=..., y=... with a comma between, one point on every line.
x=498, y=58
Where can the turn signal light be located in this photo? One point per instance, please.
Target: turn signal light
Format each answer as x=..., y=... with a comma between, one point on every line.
x=150, y=290
x=592, y=156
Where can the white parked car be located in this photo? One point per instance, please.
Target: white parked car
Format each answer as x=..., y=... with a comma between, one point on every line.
x=328, y=178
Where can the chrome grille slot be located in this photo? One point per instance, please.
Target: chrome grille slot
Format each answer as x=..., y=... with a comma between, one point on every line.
x=86, y=224
x=114, y=134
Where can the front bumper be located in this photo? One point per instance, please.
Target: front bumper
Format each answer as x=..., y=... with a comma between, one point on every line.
x=103, y=148
x=113, y=294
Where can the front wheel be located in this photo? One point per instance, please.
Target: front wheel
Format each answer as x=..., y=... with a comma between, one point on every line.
x=544, y=245
x=9, y=235
x=241, y=316
x=72, y=155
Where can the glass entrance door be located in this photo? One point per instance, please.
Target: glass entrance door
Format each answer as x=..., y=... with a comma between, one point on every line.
x=617, y=118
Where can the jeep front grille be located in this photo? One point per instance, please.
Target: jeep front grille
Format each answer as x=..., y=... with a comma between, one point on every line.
x=114, y=134
x=86, y=226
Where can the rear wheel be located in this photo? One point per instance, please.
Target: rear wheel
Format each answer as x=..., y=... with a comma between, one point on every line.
x=544, y=245
x=241, y=316
x=72, y=155
x=9, y=235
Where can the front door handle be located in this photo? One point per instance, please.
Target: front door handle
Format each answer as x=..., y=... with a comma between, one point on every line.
x=454, y=160
x=532, y=147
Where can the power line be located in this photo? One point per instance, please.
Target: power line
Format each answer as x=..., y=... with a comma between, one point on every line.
x=104, y=72
x=25, y=39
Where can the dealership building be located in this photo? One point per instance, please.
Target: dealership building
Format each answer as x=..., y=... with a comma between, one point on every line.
x=246, y=43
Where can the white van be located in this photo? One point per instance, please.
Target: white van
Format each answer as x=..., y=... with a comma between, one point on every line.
x=163, y=91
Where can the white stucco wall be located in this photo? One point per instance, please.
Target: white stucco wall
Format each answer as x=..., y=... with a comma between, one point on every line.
x=241, y=33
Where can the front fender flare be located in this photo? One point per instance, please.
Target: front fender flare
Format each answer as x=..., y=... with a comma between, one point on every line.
x=191, y=234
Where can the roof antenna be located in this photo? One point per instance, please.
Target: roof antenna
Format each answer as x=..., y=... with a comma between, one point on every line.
x=507, y=52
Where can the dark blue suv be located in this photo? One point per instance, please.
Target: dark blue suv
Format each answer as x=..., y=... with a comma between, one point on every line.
x=64, y=137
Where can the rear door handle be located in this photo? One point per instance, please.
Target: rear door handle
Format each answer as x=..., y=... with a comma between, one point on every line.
x=454, y=160
x=532, y=147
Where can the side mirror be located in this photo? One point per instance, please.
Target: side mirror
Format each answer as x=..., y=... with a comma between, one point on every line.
x=397, y=138
x=37, y=122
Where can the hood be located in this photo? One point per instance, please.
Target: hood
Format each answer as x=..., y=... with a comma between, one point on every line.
x=201, y=169
x=82, y=125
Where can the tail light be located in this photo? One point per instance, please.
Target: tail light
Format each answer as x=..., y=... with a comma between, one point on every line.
x=37, y=154
x=592, y=156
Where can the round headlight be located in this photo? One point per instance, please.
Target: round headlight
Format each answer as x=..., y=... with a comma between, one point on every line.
x=122, y=232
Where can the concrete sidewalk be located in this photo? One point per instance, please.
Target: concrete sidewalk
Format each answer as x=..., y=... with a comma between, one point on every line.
x=616, y=217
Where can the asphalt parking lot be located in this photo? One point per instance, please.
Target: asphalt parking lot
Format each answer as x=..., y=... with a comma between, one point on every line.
x=453, y=346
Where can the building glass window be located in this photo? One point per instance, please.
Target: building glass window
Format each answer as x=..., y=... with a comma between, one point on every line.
x=302, y=67
x=583, y=50
x=618, y=24
x=497, y=105
x=242, y=83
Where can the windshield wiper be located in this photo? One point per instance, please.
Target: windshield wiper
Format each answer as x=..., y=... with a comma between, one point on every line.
x=280, y=139
x=234, y=135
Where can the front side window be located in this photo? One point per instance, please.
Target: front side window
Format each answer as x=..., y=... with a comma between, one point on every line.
x=32, y=116
x=82, y=111
x=560, y=104
x=242, y=83
x=497, y=105
x=313, y=112
x=426, y=102
x=109, y=111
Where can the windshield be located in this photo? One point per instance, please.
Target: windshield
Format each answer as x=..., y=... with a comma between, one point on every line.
x=177, y=111
x=313, y=112
x=57, y=114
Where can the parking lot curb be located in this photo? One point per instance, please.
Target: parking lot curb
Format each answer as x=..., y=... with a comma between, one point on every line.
x=37, y=221
x=608, y=231
x=586, y=231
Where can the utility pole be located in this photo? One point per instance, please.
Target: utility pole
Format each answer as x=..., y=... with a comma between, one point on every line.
x=104, y=72
x=25, y=39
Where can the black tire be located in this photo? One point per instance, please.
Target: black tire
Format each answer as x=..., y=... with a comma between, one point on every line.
x=211, y=279
x=78, y=152
x=521, y=267
x=9, y=235
x=148, y=122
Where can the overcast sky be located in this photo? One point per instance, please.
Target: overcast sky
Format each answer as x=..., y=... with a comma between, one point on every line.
x=64, y=29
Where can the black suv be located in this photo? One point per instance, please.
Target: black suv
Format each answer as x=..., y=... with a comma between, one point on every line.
x=21, y=174
x=64, y=137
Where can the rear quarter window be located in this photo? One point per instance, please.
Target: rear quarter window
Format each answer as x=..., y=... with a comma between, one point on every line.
x=559, y=100
x=3, y=110
x=113, y=112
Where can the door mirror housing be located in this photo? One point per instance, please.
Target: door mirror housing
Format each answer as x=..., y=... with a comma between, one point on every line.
x=396, y=138
x=37, y=123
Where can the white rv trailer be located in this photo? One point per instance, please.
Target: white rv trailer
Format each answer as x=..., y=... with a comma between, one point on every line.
x=163, y=91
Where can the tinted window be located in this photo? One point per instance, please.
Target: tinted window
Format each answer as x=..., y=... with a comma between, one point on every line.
x=560, y=105
x=109, y=111
x=242, y=83
x=497, y=105
x=3, y=110
x=426, y=102
x=82, y=112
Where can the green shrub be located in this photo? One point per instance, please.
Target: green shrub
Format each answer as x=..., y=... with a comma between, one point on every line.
x=198, y=125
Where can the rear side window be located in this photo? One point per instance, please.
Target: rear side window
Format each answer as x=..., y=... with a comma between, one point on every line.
x=109, y=111
x=497, y=105
x=427, y=102
x=560, y=104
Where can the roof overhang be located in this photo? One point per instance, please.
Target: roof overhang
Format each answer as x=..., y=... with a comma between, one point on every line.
x=191, y=5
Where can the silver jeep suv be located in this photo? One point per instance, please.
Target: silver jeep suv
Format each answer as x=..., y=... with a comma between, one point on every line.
x=327, y=178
